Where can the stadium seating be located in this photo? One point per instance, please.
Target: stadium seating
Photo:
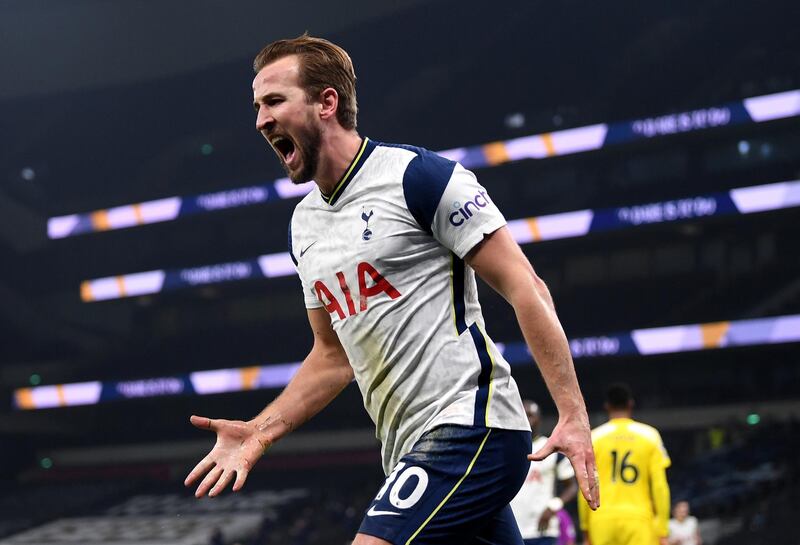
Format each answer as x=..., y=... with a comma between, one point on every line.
x=738, y=484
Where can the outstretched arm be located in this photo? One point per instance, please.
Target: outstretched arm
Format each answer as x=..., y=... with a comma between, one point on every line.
x=322, y=376
x=499, y=261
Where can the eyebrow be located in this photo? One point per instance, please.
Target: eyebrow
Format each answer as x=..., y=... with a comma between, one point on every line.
x=264, y=98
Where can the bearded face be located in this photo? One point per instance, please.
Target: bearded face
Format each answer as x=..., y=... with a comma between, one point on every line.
x=286, y=118
x=298, y=150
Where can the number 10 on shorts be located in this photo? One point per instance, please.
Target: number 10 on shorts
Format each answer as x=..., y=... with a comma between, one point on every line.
x=397, y=479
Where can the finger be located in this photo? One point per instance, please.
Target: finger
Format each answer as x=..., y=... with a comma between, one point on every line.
x=591, y=469
x=208, y=482
x=203, y=422
x=584, y=481
x=200, y=469
x=224, y=481
x=588, y=480
x=241, y=477
x=547, y=449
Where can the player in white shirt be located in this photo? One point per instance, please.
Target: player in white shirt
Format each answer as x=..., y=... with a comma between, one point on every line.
x=537, y=503
x=387, y=246
x=683, y=528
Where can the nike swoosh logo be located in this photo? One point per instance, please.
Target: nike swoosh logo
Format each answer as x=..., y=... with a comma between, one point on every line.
x=304, y=250
x=373, y=513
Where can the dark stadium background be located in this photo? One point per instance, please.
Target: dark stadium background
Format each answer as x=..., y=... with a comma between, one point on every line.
x=105, y=104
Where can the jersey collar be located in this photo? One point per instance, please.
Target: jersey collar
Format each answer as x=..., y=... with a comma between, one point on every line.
x=358, y=161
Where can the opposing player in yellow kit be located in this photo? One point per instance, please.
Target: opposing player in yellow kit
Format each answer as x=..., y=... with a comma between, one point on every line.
x=632, y=463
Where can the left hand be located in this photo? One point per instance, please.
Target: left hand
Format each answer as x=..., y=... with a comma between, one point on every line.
x=572, y=437
x=544, y=520
x=236, y=451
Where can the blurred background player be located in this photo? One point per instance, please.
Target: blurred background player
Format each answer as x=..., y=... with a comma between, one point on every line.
x=632, y=463
x=683, y=528
x=537, y=505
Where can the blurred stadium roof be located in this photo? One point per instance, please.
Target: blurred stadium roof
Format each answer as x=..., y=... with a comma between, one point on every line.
x=53, y=47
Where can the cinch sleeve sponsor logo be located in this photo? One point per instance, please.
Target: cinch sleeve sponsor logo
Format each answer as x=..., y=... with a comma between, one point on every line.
x=463, y=213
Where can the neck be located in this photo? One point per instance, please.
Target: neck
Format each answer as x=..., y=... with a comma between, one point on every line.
x=337, y=150
x=622, y=413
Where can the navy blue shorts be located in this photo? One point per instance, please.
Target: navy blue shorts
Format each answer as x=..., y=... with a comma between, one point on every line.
x=453, y=487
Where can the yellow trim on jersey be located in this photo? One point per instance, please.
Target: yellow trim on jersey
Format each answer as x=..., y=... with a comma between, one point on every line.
x=349, y=170
x=453, y=291
x=461, y=480
x=491, y=375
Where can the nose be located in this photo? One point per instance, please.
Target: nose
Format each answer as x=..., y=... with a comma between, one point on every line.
x=264, y=120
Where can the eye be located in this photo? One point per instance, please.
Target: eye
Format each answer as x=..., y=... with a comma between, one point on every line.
x=274, y=101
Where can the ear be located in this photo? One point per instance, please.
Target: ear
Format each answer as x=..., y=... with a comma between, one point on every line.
x=329, y=103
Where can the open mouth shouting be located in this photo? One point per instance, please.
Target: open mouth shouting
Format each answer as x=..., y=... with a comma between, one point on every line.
x=299, y=154
x=285, y=148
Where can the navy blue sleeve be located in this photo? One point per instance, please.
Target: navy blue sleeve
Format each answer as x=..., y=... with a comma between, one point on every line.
x=425, y=179
x=291, y=253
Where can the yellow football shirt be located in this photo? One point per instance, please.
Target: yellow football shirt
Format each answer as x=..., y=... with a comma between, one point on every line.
x=634, y=495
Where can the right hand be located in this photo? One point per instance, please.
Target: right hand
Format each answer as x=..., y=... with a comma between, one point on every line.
x=239, y=446
x=544, y=520
x=573, y=438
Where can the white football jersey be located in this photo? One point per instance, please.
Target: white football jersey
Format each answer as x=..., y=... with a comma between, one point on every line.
x=684, y=532
x=383, y=254
x=539, y=488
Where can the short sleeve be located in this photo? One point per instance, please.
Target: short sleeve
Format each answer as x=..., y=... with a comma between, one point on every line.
x=661, y=458
x=309, y=296
x=448, y=202
x=564, y=469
